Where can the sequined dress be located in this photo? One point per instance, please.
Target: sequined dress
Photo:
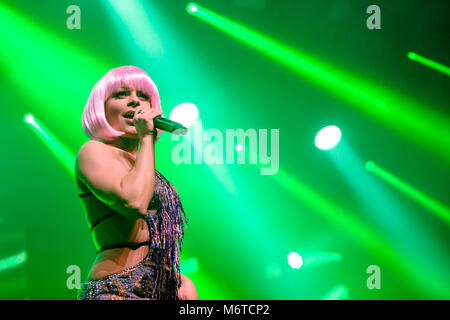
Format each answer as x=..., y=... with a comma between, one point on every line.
x=157, y=276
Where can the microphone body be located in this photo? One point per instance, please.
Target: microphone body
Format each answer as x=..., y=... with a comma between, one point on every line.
x=169, y=126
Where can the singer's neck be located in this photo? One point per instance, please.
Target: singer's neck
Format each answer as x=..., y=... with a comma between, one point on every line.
x=127, y=145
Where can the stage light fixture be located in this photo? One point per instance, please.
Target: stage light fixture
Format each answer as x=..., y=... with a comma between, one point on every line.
x=295, y=260
x=185, y=113
x=328, y=137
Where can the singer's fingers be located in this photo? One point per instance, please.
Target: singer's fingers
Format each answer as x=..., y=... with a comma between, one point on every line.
x=141, y=109
x=155, y=113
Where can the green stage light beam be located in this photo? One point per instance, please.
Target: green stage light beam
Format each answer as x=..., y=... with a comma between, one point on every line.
x=13, y=261
x=394, y=254
x=315, y=259
x=312, y=259
x=207, y=147
x=439, y=209
x=56, y=147
x=151, y=40
x=409, y=118
x=48, y=71
x=359, y=231
x=429, y=63
x=136, y=28
x=397, y=226
x=380, y=206
x=340, y=292
x=196, y=138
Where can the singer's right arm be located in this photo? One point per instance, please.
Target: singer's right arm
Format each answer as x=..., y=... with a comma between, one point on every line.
x=139, y=183
x=128, y=192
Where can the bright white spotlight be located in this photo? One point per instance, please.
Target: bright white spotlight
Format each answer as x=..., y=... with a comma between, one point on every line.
x=238, y=147
x=29, y=118
x=185, y=113
x=328, y=137
x=295, y=260
x=192, y=8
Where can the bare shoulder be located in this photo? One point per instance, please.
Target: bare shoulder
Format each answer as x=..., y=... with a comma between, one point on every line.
x=91, y=146
x=100, y=167
x=91, y=151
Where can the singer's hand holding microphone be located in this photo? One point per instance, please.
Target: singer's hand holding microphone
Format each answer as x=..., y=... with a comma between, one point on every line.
x=143, y=121
x=147, y=120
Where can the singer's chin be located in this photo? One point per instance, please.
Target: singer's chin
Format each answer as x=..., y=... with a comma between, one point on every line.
x=130, y=133
x=129, y=126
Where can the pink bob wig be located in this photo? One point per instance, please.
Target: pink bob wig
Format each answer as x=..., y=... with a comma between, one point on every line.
x=94, y=121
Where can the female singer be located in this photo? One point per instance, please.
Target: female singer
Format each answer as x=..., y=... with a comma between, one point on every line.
x=134, y=213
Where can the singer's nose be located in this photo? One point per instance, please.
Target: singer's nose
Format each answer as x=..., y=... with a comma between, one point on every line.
x=134, y=102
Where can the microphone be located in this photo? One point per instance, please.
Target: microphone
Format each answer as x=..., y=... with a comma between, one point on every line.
x=169, y=126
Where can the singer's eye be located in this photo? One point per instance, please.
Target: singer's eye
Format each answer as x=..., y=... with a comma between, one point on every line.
x=143, y=95
x=119, y=94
